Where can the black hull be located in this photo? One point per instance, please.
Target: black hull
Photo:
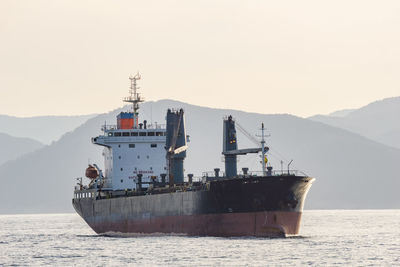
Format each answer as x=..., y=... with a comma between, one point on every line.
x=256, y=206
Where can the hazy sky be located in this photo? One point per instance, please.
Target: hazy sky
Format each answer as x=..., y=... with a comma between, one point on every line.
x=299, y=57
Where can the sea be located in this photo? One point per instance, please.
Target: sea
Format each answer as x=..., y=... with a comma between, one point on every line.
x=327, y=238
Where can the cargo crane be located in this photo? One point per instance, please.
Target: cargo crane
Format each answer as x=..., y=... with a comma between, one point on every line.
x=175, y=145
x=230, y=150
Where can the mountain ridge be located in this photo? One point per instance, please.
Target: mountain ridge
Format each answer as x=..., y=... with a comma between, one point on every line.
x=376, y=121
x=45, y=129
x=14, y=147
x=337, y=158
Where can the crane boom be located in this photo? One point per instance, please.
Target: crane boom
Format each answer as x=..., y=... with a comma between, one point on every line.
x=248, y=135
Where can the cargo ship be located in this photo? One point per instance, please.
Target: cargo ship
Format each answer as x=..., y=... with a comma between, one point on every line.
x=143, y=190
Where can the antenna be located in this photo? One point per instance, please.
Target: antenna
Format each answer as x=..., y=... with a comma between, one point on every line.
x=134, y=97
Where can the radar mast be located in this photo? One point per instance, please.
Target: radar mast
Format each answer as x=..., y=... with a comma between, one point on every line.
x=134, y=98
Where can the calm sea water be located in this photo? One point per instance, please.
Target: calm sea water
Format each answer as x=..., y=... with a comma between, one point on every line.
x=350, y=237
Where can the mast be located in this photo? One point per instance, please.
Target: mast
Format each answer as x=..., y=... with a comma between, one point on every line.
x=263, y=150
x=134, y=98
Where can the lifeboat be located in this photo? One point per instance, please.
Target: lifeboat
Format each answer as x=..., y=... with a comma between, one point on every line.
x=91, y=172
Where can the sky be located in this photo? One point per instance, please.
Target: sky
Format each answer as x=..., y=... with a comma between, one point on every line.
x=64, y=57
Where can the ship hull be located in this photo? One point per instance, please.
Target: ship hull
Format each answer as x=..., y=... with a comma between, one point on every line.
x=261, y=207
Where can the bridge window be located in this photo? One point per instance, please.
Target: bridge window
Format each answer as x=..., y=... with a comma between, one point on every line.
x=110, y=134
x=134, y=134
x=159, y=133
x=153, y=145
x=131, y=145
x=142, y=134
x=125, y=134
x=150, y=134
x=117, y=134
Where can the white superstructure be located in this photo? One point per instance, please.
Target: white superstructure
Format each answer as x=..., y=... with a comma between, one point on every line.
x=133, y=151
x=128, y=153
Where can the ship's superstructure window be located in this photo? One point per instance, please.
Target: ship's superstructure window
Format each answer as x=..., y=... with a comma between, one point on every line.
x=142, y=134
x=110, y=134
x=159, y=133
x=134, y=134
x=119, y=157
x=131, y=145
x=150, y=134
x=122, y=169
x=117, y=134
x=153, y=145
x=125, y=134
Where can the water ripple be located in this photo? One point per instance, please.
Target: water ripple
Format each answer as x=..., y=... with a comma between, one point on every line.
x=327, y=238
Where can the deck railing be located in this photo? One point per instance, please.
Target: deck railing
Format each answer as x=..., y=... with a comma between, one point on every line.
x=111, y=127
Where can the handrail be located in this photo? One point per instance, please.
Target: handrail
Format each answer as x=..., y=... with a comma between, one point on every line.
x=278, y=173
x=259, y=173
x=113, y=127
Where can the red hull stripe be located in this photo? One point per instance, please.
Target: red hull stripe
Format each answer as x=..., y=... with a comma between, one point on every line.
x=271, y=223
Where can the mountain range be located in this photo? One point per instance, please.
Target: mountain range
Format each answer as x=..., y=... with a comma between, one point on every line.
x=352, y=170
x=14, y=147
x=45, y=129
x=377, y=121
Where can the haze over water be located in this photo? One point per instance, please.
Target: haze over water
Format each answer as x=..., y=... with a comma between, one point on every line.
x=351, y=238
